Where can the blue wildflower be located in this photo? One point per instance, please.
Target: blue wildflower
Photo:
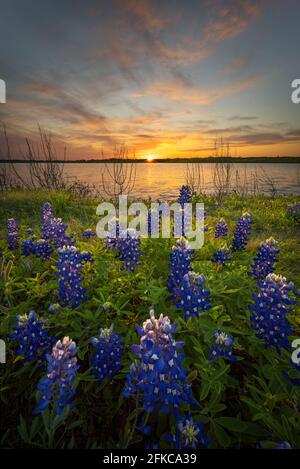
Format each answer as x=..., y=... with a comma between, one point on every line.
x=32, y=336
x=200, y=214
x=180, y=264
x=179, y=223
x=57, y=385
x=47, y=212
x=28, y=246
x=70, y=264
x=152, y=445
x=106, y=362
x=89, y=233
x=221, y=229
x=153, y=222
x=43, y=249
x=158, y=374
x=112, y=239
x=269, y=311
x=128, y=249
x=40, y=247
x=294, y=211
x=264, y=260
x=189, y=434
x=191, y=296
x=53, y=229
x=221, y=256
x=242, y=232
x=12, y=234
x=283, y=445
x=185, y=195
x=222, y=347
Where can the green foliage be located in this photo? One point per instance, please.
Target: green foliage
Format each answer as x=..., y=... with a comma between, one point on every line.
x=241, y=403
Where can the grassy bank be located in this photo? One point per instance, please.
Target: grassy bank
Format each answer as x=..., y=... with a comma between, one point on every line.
x=241, y=403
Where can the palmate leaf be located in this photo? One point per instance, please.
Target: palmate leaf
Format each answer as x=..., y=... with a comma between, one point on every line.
x=232, y=424
x=221, y=435
x=247, y=402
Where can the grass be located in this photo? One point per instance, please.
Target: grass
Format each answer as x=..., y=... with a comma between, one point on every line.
x=242, y=403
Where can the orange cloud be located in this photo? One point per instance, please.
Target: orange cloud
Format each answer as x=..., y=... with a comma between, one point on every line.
x=227, y=21
x=176, y=91
x=145, y=14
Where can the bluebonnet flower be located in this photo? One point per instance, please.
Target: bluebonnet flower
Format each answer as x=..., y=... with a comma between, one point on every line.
x=128, y=249
x=56, y=233
x=273, y=445
x=112, y=240
x=269, y=311
x=143, y=427
x=221, y=229
x=60, y=237
x=188, y=434
x=264, y=260
x=47, y=212
x=191, y=296
x=242, y=232
x=12, y=234
x=221, y=256
x=222, y=347
x=32, y=336
x=29, y=231
x=152, y=445
x=89, y=233
x=47, y=217
x=181, y=225
x=180, y=264
x=28, y=246
x=283, y=445
x=106, y=362
x=43, y=249
x=70, y=264
x=294, y=211
x=185, y=195
x=153, y=222
x=57, y=385
x=183, y=221
x=201, y=215
x=158, y=374
x=40, y=247
x=53, y=229
x=54, y=308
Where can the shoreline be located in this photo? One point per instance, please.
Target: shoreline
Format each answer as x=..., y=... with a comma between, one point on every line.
x=235, y=160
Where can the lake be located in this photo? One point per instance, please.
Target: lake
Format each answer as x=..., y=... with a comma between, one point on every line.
x=162, y=180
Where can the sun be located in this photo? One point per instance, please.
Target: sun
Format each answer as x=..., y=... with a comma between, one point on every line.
x=150, y=158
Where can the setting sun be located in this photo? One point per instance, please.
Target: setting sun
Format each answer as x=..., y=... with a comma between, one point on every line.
x=150, y=158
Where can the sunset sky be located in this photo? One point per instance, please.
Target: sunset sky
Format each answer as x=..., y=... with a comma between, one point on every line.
x=163, y=77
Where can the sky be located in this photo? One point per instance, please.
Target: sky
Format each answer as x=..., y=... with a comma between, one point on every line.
x=165, y=78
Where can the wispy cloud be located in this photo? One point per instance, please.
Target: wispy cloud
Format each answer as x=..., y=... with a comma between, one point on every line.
x=242, y=118
x=176, y=91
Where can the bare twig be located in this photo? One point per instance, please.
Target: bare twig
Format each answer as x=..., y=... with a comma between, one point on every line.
x=121, y=174
x=194, y=177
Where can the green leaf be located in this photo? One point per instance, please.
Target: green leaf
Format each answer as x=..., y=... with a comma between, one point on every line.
x=232, y=424
x=221, y=435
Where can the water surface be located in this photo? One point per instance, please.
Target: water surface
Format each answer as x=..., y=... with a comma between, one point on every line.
x=161, y=180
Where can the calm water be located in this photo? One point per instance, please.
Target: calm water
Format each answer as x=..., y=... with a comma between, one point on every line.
x=161, y=180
